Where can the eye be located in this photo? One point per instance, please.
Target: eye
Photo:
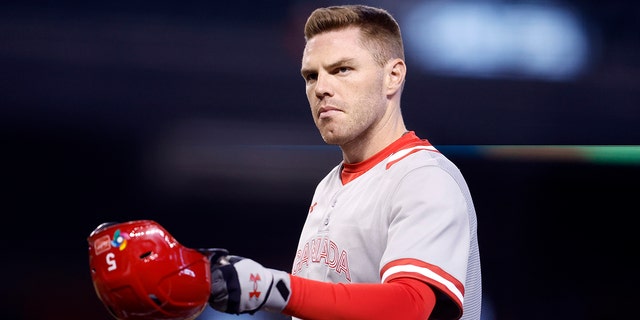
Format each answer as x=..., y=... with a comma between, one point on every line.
x=310, y=77
x=342, y=70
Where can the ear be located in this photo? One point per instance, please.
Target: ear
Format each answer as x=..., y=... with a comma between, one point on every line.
x=396, y=73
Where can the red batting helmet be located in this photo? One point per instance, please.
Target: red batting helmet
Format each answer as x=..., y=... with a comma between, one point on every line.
x=139, y=271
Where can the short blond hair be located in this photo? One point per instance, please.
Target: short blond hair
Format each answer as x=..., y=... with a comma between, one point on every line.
x=380, y=32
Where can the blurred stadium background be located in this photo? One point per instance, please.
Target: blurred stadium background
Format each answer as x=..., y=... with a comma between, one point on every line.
x=193, y=113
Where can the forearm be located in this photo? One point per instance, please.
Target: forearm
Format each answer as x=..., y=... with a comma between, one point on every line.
x=400, y=299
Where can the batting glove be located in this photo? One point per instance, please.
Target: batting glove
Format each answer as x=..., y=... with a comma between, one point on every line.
x=240, y=285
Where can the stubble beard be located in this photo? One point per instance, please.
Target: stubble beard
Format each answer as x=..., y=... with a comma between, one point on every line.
x=357, y=122
x=343, y=131
x=331, y=136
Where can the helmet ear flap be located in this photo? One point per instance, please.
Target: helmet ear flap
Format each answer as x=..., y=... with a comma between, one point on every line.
x=139, y=271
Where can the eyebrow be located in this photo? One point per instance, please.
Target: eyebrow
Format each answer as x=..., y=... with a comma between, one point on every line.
x=340, y=62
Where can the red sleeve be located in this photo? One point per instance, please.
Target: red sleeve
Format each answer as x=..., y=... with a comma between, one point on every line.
x=402, y=298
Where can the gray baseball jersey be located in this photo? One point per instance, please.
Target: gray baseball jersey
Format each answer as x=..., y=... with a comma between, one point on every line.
x=405, y=212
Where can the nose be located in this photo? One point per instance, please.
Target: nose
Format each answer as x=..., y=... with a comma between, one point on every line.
x=323, y=86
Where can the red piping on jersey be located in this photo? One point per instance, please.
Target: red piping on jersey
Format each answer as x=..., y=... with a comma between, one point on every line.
x=395, y=158
x=426, y=272
x=351, y=171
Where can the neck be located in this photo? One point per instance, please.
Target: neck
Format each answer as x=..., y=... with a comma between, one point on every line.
x=372, y=141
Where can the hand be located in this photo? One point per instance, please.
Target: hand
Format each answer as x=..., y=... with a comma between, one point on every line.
x=240, y=285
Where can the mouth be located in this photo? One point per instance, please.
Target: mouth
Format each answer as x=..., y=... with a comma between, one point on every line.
x=326, y=112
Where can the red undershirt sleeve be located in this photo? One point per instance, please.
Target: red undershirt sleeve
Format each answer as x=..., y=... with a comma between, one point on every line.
x=402, y=298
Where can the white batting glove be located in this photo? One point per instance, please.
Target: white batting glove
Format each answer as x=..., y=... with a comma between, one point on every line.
x=240, y=285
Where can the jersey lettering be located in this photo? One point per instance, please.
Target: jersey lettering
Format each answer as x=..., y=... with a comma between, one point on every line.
x=322, y=250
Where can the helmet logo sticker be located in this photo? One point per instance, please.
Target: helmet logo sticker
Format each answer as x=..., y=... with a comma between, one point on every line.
x=101, y=244
x=119, y=240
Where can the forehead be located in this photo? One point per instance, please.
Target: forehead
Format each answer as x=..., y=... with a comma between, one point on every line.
x=333, y=45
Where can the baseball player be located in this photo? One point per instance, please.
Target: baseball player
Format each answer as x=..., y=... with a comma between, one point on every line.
x=391, y=231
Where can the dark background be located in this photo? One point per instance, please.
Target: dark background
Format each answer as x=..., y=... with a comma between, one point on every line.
x=193, y=114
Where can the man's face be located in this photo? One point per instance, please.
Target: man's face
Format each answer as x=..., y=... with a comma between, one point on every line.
x=344, y=86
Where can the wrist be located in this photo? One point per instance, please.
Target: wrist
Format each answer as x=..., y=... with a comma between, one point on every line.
x=280, y=291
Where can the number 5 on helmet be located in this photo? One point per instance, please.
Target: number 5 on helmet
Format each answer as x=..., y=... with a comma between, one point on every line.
x=140, y=272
